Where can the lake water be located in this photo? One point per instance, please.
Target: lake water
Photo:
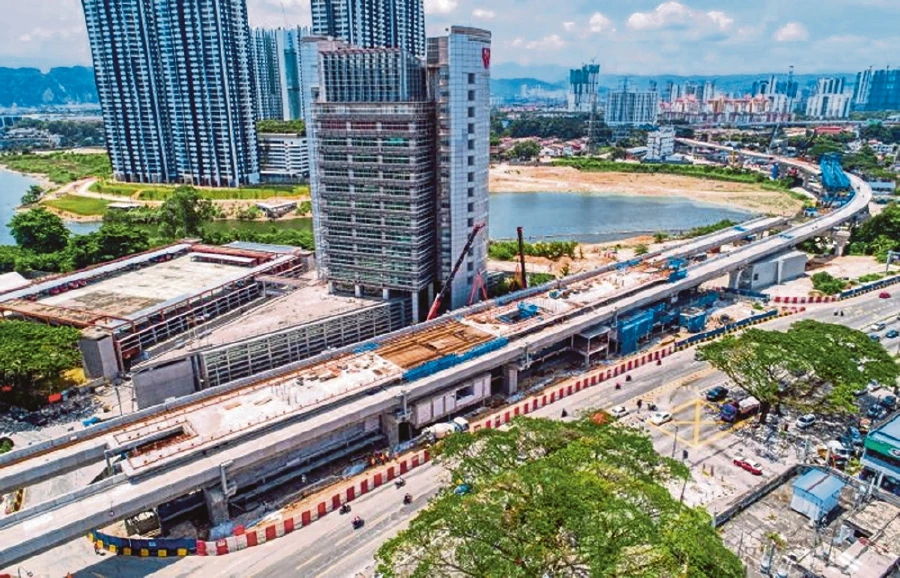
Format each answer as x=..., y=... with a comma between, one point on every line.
x=598, y=218
x=582, y=217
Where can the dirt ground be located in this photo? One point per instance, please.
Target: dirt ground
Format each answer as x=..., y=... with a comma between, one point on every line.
x=850, y=268
x=528, y=179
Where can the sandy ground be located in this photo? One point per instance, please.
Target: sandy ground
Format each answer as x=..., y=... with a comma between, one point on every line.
x=849, y=267
x=529, y=179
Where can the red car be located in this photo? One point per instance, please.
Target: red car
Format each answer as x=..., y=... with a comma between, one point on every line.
x=754, y=468
x=884, y=295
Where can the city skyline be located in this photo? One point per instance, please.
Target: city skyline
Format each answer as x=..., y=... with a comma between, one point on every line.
x=648, y=37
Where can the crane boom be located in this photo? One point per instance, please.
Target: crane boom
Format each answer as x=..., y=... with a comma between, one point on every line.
x=445, y=290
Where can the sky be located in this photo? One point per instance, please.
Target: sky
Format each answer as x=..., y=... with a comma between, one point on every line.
x=623, y=36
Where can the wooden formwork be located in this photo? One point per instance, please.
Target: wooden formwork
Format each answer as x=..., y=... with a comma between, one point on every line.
x=413, y=350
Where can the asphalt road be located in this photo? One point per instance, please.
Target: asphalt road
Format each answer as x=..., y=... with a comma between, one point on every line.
x=331, y=548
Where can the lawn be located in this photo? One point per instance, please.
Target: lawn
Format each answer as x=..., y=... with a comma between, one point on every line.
x=84, y=206
x=162, y=192
x=61, y=168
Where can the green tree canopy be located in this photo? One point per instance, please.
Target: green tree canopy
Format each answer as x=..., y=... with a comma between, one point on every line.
x=184, y=213
x=812, y=366
x=111, y=241
x=879, y=234
x=827, y=284
x=32, y=195
x=30, y=352
x=526, y=150
x=557, y=499
x=39, y=230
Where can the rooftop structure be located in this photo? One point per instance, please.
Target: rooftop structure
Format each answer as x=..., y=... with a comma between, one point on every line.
x=134, y=303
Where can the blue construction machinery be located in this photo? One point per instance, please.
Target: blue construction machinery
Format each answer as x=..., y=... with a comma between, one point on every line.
x=835, y=181
x=678, y=268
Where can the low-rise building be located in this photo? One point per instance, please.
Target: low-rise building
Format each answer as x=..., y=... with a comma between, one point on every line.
x=881, y=456
x=283, y=158
x=660, y=144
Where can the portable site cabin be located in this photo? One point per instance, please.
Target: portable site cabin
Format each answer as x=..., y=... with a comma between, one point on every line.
x=816, y=494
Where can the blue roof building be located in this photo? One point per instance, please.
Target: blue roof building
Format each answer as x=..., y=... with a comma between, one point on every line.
x=881, y=458
x=816, y=494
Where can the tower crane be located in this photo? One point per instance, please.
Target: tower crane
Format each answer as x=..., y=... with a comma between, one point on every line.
x=445, y=290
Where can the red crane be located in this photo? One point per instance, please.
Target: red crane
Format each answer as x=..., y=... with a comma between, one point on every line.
x=445, y=290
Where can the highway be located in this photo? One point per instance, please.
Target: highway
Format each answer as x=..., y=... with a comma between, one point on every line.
x=332, y=549
x=96, y=506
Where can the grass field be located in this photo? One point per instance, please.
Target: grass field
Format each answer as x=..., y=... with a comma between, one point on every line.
x=162, y=192
x=83, y=206
x=61, y=168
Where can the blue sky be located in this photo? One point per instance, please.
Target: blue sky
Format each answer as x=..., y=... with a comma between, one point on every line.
x=625, y=36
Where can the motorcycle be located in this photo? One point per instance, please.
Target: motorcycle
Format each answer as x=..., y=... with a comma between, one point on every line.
x=358, y=523
x=345, y=508
x=400, y=482
x=618, y=386
x=407, y=499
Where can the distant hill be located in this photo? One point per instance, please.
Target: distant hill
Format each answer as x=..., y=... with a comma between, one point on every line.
x=511, y=88
x=29, y=87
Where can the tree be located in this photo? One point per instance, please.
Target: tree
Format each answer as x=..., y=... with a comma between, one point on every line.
x=812, y=366
x=184, y=213
x=641, y=250
x=111, y=241
x=32, y=195
x=30, y=352
x=525, y=150
x=550, y=498
x=39, y=230
x=827, y=284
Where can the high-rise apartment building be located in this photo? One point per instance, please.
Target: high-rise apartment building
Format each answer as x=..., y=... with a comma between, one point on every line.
x=582, y=95
x=372, y=23
x=277, y=72
x=399, y=170
x=175, y=85
x=630, y=108
x=878, y=90
x=830, y=99
x=459, y=67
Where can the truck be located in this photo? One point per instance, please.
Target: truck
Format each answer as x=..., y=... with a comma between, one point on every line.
x=441, y=430
x=735, y=411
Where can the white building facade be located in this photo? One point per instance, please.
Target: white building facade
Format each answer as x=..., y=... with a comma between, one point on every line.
x=283, y=158
x=626, y=108
x=660, y=144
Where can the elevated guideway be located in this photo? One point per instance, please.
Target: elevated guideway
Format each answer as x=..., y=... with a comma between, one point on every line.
x=46, y=525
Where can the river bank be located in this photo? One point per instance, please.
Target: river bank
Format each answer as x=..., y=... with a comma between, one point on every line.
x=506, y=178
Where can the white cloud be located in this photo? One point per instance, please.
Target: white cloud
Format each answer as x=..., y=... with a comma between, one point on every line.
x=552, y=42
x=482, y=14
x=440, y=6
x=599, y=23
x=568, y=26
x=673, y=14
x=791, y=32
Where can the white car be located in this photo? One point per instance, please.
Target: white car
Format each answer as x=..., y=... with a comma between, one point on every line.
x=805, y=421
x=878, y=326
x=660, y=417
x=873, y=386
x=618, y=412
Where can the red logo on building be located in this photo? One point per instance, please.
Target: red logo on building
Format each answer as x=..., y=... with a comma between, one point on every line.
x=486, y=57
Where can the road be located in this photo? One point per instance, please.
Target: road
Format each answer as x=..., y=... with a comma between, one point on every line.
x=331, y=548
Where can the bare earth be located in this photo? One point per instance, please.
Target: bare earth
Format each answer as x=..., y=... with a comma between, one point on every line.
x=529, y=179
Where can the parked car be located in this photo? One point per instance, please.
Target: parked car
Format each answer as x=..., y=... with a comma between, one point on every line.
x=878, y=326
x=873, y=386
x=889, y=402
x=754, y=468
x=852, y=438
x=618, y=412
x=876, y=412
x=718, y=393
x=805, y=421
x=884, y=295
x=740, y=461
x=660, y=417
x=874, y=337
x=892, y=334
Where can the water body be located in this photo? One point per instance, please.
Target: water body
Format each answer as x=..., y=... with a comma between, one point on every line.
x=12, y=187
x=599, y=218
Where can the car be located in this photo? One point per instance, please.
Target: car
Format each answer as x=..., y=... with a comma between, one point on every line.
x=876, y=412
x=852, y=438
x=740, y=461
x=660, y=417
x=889, y=402
x=875, y=337
x=878, y=326
x=462, y=489
x=861, y=391
x=892, y=334
x=754, y=468
x=718, y=393
x=618, y=412
x=873, y=386
x=884, y=295
x=805, y=421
